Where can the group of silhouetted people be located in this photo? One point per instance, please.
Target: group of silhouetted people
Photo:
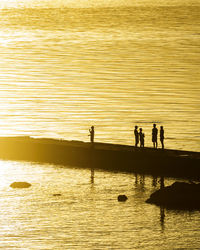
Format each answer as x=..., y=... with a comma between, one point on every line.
x=139, y=136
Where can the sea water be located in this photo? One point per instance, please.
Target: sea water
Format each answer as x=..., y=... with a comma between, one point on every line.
x=63, y=70
x=66, y=209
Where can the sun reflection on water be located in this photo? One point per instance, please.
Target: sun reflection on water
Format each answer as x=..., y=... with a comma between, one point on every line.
x=60, y=74
x=64, y=209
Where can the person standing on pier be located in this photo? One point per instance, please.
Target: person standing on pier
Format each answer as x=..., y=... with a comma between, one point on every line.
x=141, y=136
x=91, y=130
x=136, y=136
x=162, y=136
x=155, y=136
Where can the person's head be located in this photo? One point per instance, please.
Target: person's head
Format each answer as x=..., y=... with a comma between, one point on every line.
x=136, y=127
x=92, y=127
x=161, y=127
x=140, y=129
x=154, y=125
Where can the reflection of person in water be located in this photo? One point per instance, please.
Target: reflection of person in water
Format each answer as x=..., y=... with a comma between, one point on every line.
x=162, y=218
x=154, y=136
x=162, y=136
x=141, y=136
x=91, y=130
x=136, y=136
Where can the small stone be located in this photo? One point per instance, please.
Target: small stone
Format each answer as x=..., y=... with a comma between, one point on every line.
x=122, y=197
x=20, y=185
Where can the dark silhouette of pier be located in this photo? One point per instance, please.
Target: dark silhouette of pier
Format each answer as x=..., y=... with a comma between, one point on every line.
x=111, y=157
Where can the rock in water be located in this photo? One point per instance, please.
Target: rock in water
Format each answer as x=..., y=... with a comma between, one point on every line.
x=122, y=197
x=179, y=195
x=20, y=185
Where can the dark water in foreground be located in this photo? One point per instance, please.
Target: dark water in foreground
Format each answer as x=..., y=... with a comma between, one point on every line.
x=87, y=215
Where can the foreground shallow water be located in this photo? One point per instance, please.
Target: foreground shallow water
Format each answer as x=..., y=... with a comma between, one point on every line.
x=65, y=209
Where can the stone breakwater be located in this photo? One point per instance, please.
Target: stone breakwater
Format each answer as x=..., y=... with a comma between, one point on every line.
x=112, y=157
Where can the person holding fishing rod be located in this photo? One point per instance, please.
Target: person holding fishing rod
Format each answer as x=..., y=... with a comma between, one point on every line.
x=91, y=130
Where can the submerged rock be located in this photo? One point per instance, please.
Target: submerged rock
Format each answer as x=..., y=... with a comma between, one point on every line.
x=122, y=197
x=180, y=195
x=20, y=185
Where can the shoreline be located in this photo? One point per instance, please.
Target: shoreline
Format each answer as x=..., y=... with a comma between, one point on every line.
x=105, y=156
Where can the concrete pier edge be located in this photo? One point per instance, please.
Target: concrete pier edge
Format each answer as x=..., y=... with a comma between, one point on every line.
x=111, y=157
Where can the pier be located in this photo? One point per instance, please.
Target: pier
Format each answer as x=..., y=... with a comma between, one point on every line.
x=111, y=157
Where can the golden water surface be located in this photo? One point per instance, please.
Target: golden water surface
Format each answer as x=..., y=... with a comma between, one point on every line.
x=65, y=69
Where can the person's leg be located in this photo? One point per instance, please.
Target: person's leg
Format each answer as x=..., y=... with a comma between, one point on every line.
x=162, y=144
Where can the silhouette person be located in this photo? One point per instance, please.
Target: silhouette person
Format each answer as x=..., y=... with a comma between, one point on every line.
x=162, y=136
x=91, y=130
x=155, y=136
x=136, y=136
x=141, y=136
